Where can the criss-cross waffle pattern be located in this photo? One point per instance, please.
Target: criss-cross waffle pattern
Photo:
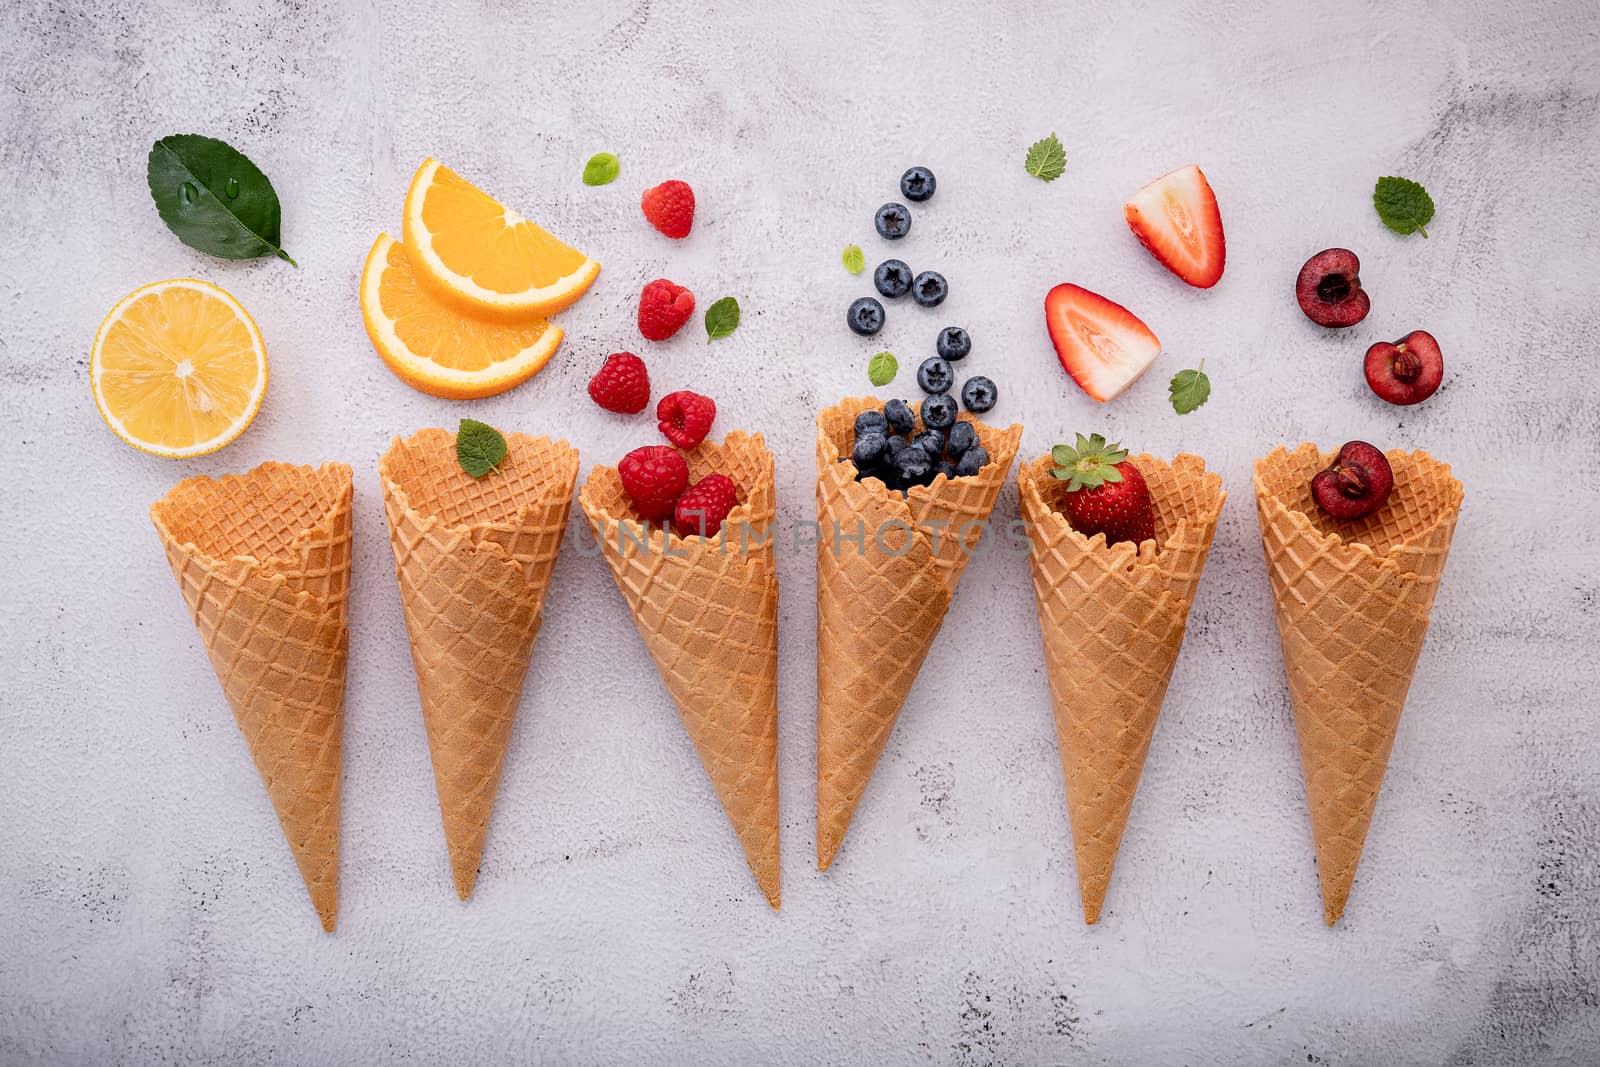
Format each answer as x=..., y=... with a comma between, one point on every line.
x=263, y=562
x=1352, y=602
x=887, y=567
x=473, y=558
x=707, y=609
x=1113, y=619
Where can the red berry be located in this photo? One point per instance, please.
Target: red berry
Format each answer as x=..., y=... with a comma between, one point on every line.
x=622, y=384
x=670, y=208
x=705, y=505
x=686, y=417
x=653, y=477
x=663, y=308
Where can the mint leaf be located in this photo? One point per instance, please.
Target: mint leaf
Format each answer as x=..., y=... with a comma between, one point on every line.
x=882, y=368
x=479, y=447
x=1189, y=389
x=1047, y=160
x=722, y=318
x=601, y=169
x=214, y=199
x=1403, y=205
x=854, y=261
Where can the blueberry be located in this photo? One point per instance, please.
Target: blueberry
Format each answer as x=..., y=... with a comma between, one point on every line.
x=947, y=469
x=869, y=449
x=893, y=221
x=917, y=184
x=935, y=375
x=897, y=445
x=979, y=394
x=972, y=461
x=931, y=442
x=865, y=316
x=954, y=343
x=961, y=437
x=872, y=422
x=929, y=289
x=893, y=278
x=898, y=412
x=939, y=412
x=912, y=465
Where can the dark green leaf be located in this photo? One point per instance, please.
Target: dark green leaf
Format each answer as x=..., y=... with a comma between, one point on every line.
x=602, y=169
x=1189, y=389
x=1047, y=160
x=882, y=368
x=214, y=198
x=854, y=261
x=722, y=318
x=479, y=447
x=1403, y=205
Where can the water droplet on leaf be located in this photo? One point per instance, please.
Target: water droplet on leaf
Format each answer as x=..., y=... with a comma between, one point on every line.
x=187, y=193
x=232, y=188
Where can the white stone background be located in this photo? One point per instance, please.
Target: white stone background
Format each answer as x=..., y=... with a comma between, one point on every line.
x=149, y=909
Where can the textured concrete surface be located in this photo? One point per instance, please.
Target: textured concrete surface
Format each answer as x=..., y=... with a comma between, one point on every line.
x=149, y=908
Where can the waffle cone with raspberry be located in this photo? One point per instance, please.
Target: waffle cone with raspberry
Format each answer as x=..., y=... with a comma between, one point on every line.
x=707, y=609
x=1352, y=600
x=263, y=562
x=473, y=558
x=1113, y=620
x=881, y=601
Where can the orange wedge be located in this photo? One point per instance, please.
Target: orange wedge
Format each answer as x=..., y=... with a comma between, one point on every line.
x=178, y=368
x=481, y=257
x=433, y=347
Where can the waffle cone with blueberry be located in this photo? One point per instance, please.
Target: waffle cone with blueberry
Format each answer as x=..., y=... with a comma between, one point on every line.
x=882, y=597
x=1352, y=598
x=1112, y=614
x=263, y=562
x=473, y=558
x=707, y=609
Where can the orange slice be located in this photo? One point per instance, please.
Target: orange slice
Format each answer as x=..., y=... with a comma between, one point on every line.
x=433, y=347
x=481, y=257
x=178, y=368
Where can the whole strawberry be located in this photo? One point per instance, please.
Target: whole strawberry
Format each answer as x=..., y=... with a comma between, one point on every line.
x=685, y=417
x=670, y=208
x=1105, y=493
x=622, y=384
x=654, y=476
x=663, y=308
x=704, y=506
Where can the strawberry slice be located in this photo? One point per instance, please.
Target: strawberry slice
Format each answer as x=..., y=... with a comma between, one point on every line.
x=1176, y=218
x=1102, y=345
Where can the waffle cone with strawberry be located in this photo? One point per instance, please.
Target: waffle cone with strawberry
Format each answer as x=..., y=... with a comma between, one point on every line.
x=703, y=591
x=1352, y=596
x=881, y=601
x=1116, y=547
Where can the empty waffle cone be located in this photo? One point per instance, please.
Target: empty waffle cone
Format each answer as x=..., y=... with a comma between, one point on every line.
x=707, y=609
x=473, y=558
x=887, y=568
x=263, y=561
x=1352, y=602
x=1113, y=620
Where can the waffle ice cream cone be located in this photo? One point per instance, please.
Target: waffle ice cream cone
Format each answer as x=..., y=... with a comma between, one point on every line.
x=881, y=601
x=263, y=562
x=707, y=609
x=473, y=558
x=1352, y=602
x=1113, y=619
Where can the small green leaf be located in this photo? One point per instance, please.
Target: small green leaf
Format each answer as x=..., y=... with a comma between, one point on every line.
x=854, y=261
x=882, y=368
x=1403, y=205
x=479, y=447
x=1189, y=389
x=1047, y=160
x=602, y=169
x=214, y=199
x=722, y=318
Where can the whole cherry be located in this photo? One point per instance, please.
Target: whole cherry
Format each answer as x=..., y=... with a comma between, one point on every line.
x=1356, y=485
x=1329, y=289
x=1407, y=371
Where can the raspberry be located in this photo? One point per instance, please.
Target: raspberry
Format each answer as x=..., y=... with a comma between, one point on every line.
x=670, y=208
x=705, y=505
x=621, y=384
x=663, y=308
x=686, y=417
x=653, y=477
